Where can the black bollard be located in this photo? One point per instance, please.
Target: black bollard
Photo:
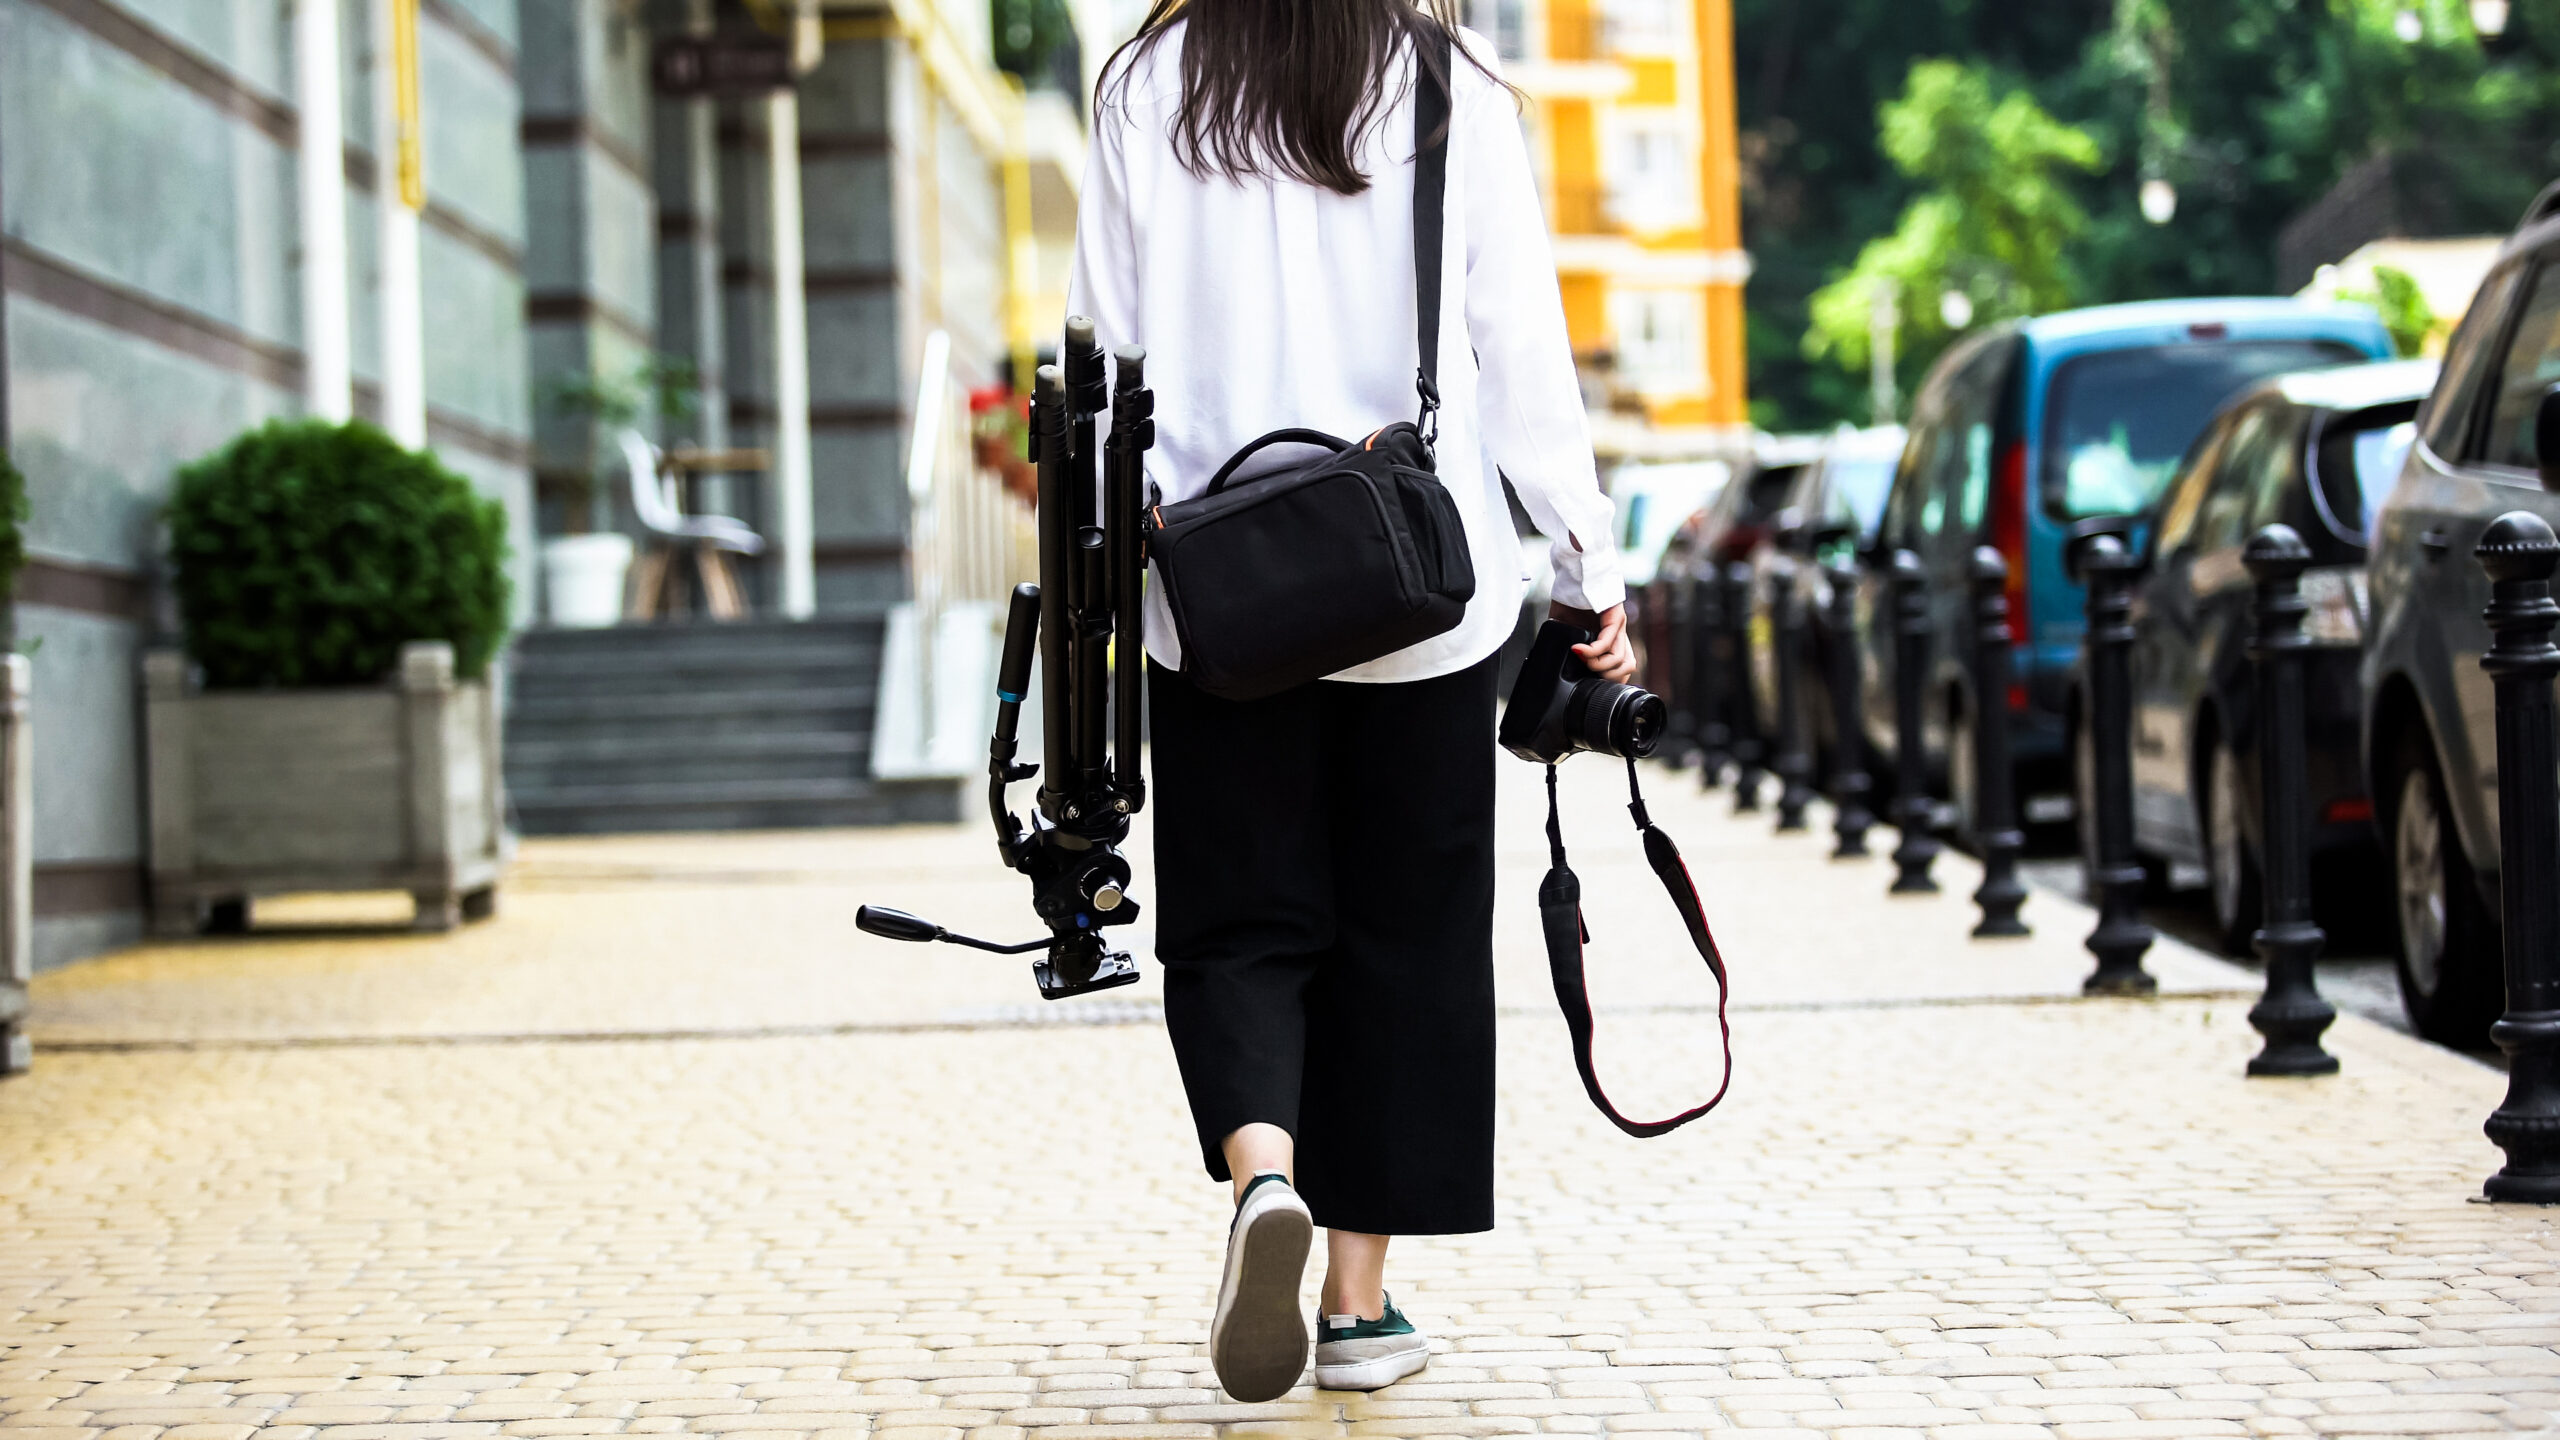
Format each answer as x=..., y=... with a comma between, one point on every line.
x=1742, y=695
x=1680, y=735
x=1913, y=811
x=1995, y=804
x=1707, y=668
x=1850, y=782
x=2519, y=553
x=2107, y=568
x=2291, y=1014
x=1786, y=648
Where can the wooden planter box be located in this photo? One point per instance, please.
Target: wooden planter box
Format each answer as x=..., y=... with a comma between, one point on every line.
x=267, y=792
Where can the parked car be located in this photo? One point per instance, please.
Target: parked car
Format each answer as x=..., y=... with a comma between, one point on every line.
x=1741, y=518
x=2430, y=745
x=1829, y=512
x=1658, y=505
x=2029, y=427
x=1723, y=525
x=2315, y=450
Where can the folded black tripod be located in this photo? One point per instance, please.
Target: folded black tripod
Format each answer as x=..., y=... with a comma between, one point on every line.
x=1092, y=567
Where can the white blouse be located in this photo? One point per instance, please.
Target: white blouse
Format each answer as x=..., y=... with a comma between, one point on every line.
x=1270, y=304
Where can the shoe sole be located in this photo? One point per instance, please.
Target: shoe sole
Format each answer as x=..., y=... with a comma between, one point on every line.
x=1258, y=1339
x=1373, y=1374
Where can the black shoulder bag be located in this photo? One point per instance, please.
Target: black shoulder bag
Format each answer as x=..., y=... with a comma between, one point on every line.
x=1292, y=575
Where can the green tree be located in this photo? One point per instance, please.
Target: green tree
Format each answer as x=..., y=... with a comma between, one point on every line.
x=1816, y=183
x=1996, y=224
x=2251, y=109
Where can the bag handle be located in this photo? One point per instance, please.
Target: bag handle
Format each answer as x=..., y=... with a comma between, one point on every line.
x=1430, y=191
x=1292, y=436
x=1560, y=914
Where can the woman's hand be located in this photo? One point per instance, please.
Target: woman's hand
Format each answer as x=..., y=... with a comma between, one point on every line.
x=1610, y=655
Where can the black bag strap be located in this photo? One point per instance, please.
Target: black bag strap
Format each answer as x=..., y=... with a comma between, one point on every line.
x=1560, y=914
x=1430, y=193
x=1293, y=436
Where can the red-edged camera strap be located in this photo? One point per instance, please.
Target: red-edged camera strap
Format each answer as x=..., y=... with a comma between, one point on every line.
x=1560, y=913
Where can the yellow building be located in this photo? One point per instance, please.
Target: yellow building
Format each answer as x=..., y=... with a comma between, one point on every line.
x=1632, y=127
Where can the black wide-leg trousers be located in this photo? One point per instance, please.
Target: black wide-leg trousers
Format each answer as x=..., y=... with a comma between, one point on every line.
x=1324, y=892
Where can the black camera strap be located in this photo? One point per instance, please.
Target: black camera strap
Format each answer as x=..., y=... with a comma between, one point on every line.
x=1431, y=124
x=1560, y=912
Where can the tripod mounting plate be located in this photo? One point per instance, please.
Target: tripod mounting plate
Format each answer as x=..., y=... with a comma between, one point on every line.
x=1102, y=969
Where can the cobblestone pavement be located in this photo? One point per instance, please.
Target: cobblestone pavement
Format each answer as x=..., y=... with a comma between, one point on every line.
x=667, y=1149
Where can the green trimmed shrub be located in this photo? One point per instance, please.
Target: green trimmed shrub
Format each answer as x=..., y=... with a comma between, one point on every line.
x=13, y=526
x=309, y=552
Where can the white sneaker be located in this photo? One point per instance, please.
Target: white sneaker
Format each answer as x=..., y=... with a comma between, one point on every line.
x=1357, y=1354
x=1258, y=1336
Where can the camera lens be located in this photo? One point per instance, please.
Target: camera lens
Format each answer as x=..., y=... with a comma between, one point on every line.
x=1615, y=719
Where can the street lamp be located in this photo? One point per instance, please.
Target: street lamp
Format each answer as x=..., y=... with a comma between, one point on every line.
x=1956, y=308
x=2159, y=201
x=2489, y=18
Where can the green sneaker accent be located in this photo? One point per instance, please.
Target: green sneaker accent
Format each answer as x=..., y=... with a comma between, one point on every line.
x=1390, y=1321
x=1267, y=1177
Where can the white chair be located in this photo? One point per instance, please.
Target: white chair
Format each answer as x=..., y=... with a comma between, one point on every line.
x=657, y=501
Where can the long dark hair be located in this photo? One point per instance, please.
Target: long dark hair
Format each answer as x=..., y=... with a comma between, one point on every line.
x=1287, y=89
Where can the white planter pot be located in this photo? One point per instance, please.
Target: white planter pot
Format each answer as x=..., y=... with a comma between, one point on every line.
x=582, y=578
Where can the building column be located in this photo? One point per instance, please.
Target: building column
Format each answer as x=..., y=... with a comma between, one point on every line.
x=399, y=191
x=328, y=389
x=1720, y=195
x=791, y=464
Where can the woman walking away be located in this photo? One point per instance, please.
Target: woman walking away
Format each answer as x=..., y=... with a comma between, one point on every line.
x=1325, y=855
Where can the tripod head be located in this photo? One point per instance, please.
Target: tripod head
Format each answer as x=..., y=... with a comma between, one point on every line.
x=1092, y=572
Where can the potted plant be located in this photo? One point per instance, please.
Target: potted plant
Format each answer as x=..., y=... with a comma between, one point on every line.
x=586, y=569
x=329, y=725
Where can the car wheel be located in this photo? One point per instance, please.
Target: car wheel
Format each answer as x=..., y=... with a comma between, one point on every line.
x=2233, y=870
x=2451, y=974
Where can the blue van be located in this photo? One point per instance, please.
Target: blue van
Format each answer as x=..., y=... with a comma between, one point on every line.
x=2027, y=427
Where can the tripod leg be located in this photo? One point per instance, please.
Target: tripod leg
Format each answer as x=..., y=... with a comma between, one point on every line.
x=1057, y=578
x=1132, y=432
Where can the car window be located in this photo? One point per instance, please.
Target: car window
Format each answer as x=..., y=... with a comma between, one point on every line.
x=1977, y=472
x=2530, y=368
x=2274, y=467
x=2186, y=493
x=2224, y=518
x=1960, y=463
x=1854, y=491
x=2120, y=419
x=1901, y=527
x=2448, y=413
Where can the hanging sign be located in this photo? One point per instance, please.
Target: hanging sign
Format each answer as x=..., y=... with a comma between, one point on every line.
x=695, y=65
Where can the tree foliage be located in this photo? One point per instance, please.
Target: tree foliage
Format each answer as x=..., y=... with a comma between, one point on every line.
x=13, y=525
x=1996, y=225
x=308, y=553
x=2251, y=109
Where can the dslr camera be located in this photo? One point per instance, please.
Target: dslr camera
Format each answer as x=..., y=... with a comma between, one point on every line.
x=1558, y=706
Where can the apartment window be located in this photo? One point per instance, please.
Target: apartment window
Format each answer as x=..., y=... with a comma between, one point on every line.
x=1644, y=27
x=1661, y=340
x=1652, y=175
x=1504, y=22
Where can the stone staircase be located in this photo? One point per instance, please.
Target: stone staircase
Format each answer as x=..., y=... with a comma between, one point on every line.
x=753, y=725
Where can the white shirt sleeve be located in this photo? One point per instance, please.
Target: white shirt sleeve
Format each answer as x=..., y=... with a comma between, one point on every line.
x=1528, y=395
x=1102, y=284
